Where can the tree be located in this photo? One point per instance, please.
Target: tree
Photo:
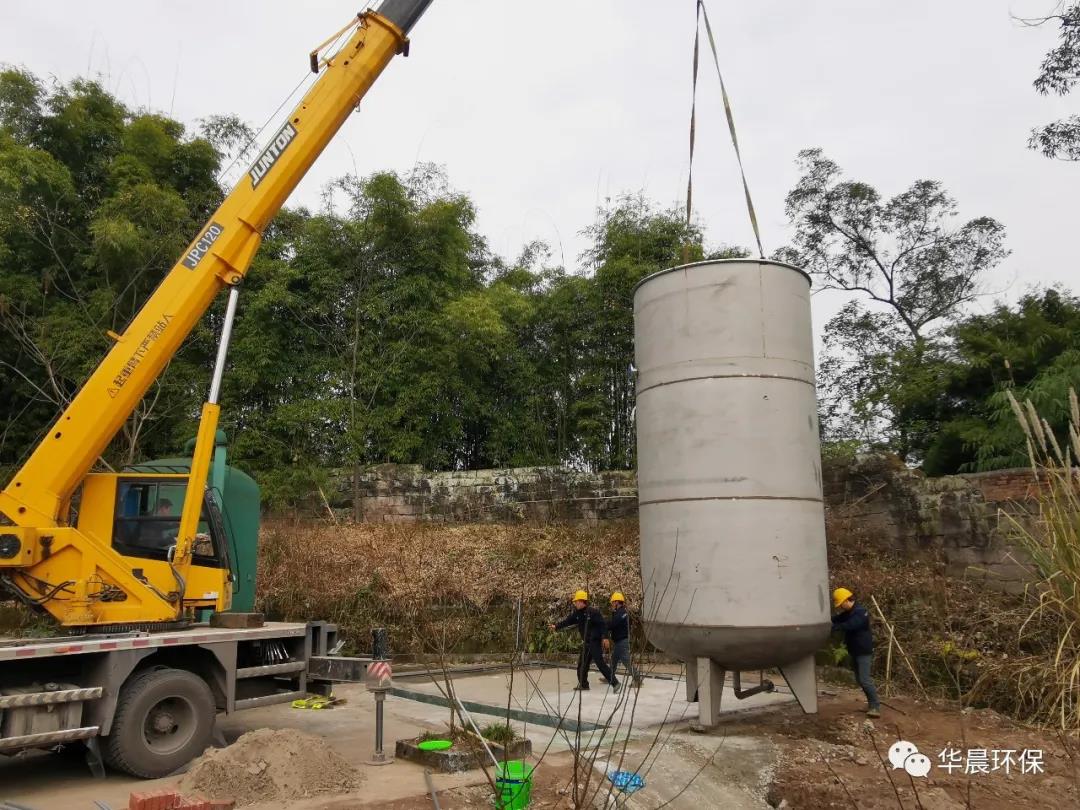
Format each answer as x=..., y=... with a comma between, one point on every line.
x=1031, y=348
x=377, y=329
x=1059, y=74
x=912, y=271
x=364, y=334
x=631, y=240
x=96, y=202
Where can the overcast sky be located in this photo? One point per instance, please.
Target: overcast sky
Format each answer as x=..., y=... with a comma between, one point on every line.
x=540, y=110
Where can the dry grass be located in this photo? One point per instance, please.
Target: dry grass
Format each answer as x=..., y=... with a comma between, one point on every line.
x=442, y=588
x=1046, y=682
x=953, y=630
x=461, y=583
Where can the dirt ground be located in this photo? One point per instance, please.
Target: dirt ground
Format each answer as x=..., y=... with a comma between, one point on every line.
x=835, y=759
x=839, y=759
x=550, y=790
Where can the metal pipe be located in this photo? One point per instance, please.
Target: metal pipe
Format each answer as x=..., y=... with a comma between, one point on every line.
x=223, y=346
x=764, y=685
x=380, y=646
x=380, y=698
x=465, y=715
x=517, y=627
x=431, y=788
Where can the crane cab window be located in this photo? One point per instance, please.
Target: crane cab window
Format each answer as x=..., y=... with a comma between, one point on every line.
x=148, y=521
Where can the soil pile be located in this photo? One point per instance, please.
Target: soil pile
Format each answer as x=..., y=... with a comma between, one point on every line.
x=270, y=764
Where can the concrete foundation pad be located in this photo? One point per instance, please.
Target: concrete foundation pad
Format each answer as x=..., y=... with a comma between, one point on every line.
x=544, y=706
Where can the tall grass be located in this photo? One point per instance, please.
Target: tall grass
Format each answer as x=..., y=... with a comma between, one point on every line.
x=457, y=583
x=1047, y=680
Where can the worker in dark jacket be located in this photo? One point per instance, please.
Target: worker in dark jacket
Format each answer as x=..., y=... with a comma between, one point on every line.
x=590, y=624
x=619, y=630
x=854, y=621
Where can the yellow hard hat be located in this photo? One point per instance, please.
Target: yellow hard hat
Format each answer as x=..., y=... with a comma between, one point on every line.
x=841, y=595
x=617, y=597
x=580, y=596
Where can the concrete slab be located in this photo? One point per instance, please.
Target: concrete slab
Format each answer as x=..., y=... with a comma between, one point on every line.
x=694, y=771
x=655, y=712
x=45, y=781
x=546, y=709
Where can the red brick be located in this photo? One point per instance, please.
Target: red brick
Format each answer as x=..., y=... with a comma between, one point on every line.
x=137, y=801
x=222, y=804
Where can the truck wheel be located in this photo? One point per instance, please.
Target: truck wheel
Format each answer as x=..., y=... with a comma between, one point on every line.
x=164, y=719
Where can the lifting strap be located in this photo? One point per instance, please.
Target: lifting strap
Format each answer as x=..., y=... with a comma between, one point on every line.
x=700, y=15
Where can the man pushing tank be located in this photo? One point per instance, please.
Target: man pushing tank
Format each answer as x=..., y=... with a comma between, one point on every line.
x=593, y=629
x=854, y=621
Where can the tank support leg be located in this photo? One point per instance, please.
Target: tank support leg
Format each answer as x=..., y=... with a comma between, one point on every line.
x=710, y=687
x=802, y=679
x=691, y=681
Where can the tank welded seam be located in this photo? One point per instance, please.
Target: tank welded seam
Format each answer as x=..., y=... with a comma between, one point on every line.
x=732, y=498
x=707, y=262
x=726, y=377
x=761, y=307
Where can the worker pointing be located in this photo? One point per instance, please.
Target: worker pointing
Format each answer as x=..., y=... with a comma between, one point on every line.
x=854, y=621
x=592, y=627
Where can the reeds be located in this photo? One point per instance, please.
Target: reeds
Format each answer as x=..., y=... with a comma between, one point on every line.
x=1046, y=680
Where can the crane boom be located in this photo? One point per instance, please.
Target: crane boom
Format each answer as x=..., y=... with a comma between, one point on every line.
x=35, y=502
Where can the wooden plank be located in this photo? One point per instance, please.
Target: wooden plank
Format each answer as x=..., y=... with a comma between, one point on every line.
x=237, y=621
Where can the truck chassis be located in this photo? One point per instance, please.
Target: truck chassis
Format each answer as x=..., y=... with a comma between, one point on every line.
x=146, y=702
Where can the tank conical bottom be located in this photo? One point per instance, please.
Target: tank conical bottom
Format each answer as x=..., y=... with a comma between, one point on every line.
x=739, y=648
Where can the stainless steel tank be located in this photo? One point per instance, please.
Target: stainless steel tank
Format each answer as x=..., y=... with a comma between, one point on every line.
x=733, y=556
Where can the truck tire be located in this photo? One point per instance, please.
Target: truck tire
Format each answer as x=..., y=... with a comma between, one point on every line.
x=164, y=718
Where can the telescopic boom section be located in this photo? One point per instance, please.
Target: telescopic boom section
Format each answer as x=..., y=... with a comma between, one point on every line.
x=218, y=257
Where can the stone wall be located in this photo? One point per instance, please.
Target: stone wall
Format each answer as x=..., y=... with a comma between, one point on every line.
x=966, y=519
x=403, y=492
x=875, y=499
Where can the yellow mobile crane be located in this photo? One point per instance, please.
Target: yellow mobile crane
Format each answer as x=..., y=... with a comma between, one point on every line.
x=84, y=545
x=89, y=571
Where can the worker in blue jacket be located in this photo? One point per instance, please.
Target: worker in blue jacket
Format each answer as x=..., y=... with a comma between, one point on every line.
x=854, y=621
x=619, y=629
